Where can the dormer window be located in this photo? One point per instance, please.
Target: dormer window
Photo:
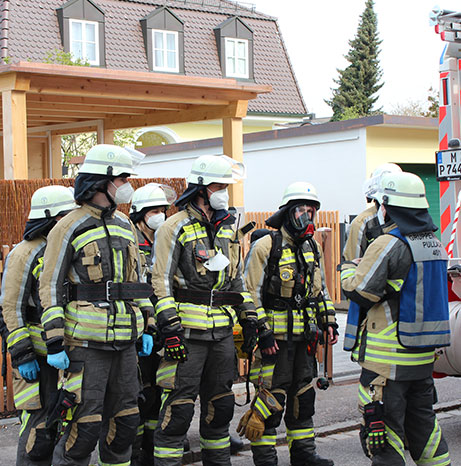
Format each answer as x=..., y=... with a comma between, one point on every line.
x=237, y=58
x=84, y=43
x=163, y=34
x=81, y=23
x=165, y=51
x=234, y=40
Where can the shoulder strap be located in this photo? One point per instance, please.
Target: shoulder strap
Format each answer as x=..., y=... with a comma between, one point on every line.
x=273, y=260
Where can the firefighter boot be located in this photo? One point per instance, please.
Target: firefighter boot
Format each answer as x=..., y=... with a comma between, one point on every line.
x=314, y=459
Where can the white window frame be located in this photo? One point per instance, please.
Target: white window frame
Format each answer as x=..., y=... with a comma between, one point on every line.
x=235, y=41
x=84, y=41
x=164, y=50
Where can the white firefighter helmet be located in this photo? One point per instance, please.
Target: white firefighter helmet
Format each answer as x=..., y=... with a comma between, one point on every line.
x=371, y=186
x=50, y=201
x=208, y=169
x=152, y=195
x=110, y=160
x=298, y=191
x=402, y=190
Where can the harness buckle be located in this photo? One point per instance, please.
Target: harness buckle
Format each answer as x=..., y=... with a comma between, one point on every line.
x=211, y=297
x=108, y=286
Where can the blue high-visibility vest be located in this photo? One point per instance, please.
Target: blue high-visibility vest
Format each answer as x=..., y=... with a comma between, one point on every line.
x=423, y=306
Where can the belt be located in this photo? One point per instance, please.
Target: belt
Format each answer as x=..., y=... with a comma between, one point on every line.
x=277, y=303
x=110, y=291
x=209, y=298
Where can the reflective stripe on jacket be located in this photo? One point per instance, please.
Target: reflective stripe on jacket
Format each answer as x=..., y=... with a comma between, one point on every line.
x=176, y=266
x=83, y=248
x=283, y=282
x=375, y=285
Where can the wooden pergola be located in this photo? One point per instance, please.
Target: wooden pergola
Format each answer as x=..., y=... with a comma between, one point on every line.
x=41, y=102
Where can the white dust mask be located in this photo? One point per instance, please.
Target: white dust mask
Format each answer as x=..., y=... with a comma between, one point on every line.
x=381, y=219
x=219, y=199
x=123, y=193
x=154, y=222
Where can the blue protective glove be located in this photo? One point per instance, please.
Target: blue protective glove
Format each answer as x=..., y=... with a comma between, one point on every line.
x=147, y=345
x=58, y=360
x=29, y=370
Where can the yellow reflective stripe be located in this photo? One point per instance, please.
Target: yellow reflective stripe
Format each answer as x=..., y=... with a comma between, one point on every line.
x=432, y=443
x=299, y=434
x=192, y=232
x=86, y=333
x=207, y=444
x=17, y=335
x=265, y=440
x=347, y=273
x=404, y=359
x=37, y=270
x=246, y=297
x=163, y=397
x=395, y=441
x=118, y=265
x=101, y=463
x=98, y=233
x=162, y=452
x=165, y=303
x=151, y=424
x=26, y=394
x=308, y=256
x=74, y=382
x=143, y=302
x=52, y=313
x=89, y=317
x=261, y=313
x=165, y=372
x=395, y=284
x=262, y=408
x=441, y=460
x=39, y=345
x=225, y=233
x=25, y=416
x=364, y=395
x=140, y=430
x=287, y=257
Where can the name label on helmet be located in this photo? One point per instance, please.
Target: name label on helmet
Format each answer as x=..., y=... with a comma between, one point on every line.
x=426, y=246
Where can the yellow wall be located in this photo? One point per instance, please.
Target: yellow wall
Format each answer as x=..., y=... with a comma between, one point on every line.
x=400, y=145
x=194, y=131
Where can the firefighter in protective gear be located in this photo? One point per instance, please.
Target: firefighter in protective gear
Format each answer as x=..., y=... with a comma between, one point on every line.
x=395, y=342
x=284, y=272
x=34, y=380
x=365, y=227
x=198, y=282
x=148, y=213
x=95, y=309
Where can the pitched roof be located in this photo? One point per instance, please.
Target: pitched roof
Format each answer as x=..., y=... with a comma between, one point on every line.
x=33, y=32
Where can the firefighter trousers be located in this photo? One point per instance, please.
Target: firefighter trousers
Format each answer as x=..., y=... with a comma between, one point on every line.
x=288, y=378
x=409, y=419
x=108, y=410
x=209, y=371
x=35, y=445
x=149, y=407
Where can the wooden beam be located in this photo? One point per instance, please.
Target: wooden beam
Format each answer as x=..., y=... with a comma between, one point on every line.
x=104, y=102
x=66, y=107
x=14, y=81
x=108, y=136
x=64, y=114
x=76, y=130
x=14, y=135
x=56, y=156
x=135, y=91
x=199, y=113
x=52, y=119
x=233, y=147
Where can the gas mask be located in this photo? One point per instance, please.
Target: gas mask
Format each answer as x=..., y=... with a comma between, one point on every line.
x=219, y=200
x=123, y=193
x=154, y=222
x=302, y=220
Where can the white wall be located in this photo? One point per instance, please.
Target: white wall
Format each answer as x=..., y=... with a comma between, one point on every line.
x=334, y=162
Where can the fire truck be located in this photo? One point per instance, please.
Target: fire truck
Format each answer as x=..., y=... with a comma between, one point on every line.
x=448, y=162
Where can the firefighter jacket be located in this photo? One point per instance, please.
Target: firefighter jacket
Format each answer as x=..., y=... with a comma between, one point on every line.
x=92, y=245
x=180, y=244
x=300, y=271
x=20, y=301
x=363, y=230
x=375, y=284
x=145, y=251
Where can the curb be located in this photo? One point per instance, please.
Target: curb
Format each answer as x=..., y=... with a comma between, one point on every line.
x=325, y=431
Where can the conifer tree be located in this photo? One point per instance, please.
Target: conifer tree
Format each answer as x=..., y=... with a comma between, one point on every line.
x=359, y=82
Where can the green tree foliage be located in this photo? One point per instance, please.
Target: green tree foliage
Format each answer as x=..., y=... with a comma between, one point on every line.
x=359, y=82
x=59, y=57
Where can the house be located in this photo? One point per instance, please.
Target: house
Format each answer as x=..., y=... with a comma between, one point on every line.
x=218, y=39
x=336, y=157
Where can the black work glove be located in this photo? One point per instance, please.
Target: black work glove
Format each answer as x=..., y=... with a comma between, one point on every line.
x=175, y=347
x=335, y=329
x=250, y=335
x=265, y=338
x=374, y=424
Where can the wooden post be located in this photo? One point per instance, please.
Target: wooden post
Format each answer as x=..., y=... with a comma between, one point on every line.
x=233, y=147
x=15, y=158
x=108, y=136
x=56, y=157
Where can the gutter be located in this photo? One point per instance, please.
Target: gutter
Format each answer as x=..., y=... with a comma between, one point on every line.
x=4, y=28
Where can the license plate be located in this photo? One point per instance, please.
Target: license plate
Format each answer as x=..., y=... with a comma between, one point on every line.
x=448, y=165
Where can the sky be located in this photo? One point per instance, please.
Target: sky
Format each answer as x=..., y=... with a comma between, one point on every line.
x=316, y=35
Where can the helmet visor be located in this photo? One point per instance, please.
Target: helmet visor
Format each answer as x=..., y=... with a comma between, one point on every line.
x=136, y=156
x=302, y=215
x=238, y=169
